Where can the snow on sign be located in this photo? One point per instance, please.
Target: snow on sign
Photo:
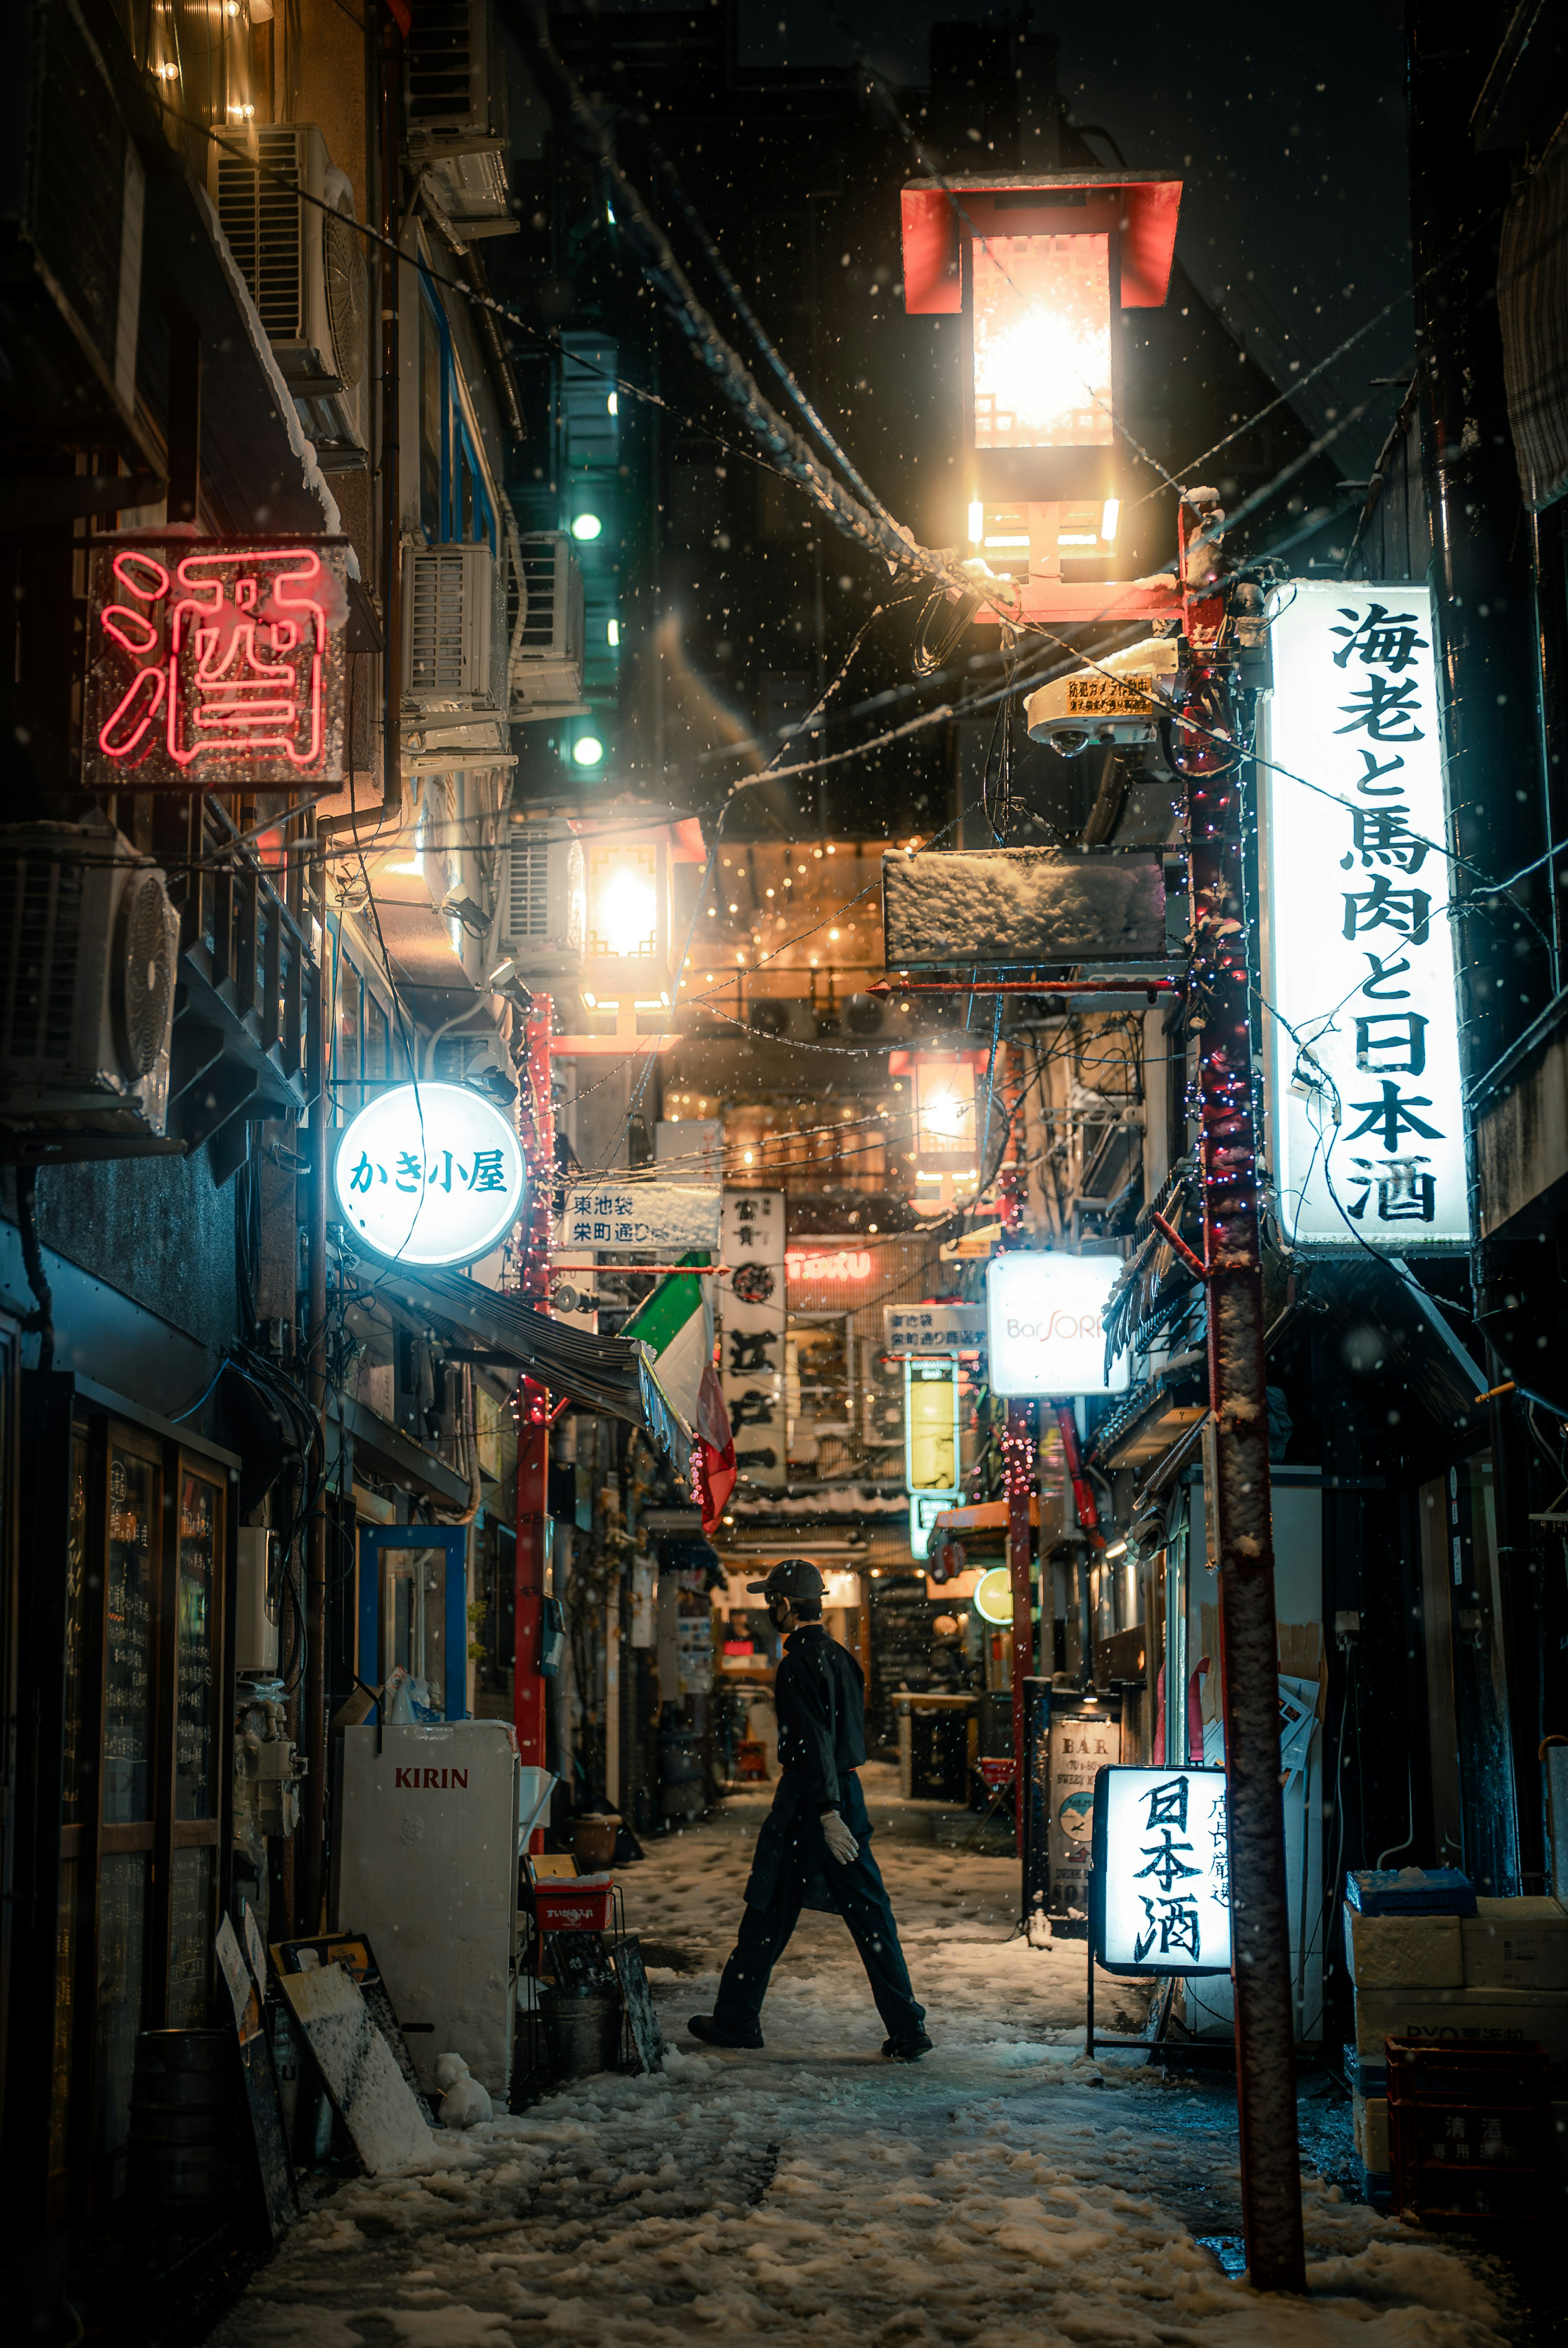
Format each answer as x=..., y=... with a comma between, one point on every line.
x=1159, y=1896
x=215, y=665
x=429, y=1174
x=1045, y=1331
x=1366, y=1135
x=618, y=1216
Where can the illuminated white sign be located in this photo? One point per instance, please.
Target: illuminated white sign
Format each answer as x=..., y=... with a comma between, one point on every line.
x=1044, y=1323
x=615, y=1215
x=429, y=1174
x=993, y=1596
x=1159, y=1891
x=1365, y=1114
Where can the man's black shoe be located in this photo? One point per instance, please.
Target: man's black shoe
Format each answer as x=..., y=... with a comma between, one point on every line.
x=905, y=2050
x=712, y=2032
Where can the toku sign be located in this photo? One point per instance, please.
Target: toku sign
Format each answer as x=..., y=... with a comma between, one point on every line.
x=429, y=1174
x=1159, y=1900
x=1366, y=1120
x=1045, y=1331
x=215, y=665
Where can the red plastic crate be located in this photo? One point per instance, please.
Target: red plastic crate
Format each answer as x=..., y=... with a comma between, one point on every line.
x=574, y=1904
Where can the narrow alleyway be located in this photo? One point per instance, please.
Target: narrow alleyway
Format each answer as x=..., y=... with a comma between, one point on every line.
x=1005, y=2190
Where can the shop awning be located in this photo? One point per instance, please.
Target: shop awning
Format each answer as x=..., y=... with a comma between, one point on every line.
x=601, y=1373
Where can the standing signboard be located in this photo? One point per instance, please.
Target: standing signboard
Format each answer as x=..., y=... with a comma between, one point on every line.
x=1367, y=1129
x=1084, y=1740
x=1161, y=1886
x=752, y=1354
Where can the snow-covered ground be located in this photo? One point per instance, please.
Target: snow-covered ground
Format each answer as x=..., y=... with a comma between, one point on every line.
x=1005, y=2190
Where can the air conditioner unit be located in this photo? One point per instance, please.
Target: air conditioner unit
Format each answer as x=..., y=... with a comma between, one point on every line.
x=544, y=904
x=454, y=81
x=447, y=594
x=288, y=214
x=89, y=946
x=548, y=650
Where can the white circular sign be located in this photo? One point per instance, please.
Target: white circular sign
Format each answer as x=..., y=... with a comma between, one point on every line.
x=429, y=1174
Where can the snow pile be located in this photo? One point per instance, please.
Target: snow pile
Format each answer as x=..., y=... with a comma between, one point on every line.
x=1006, y=2190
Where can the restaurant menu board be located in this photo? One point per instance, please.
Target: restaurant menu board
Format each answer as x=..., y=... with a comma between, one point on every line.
x=76, y=1625
x=752, y=1307
x=194, y=1795
x=127, y=1661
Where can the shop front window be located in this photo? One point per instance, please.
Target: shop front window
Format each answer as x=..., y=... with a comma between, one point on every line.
x=129, y=1649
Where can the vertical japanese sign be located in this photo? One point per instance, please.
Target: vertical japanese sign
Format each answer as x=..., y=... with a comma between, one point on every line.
x=1358, y=958
x=215, y=665
x=1081, y=1744
x=1162, y=1871
x=752, y=1367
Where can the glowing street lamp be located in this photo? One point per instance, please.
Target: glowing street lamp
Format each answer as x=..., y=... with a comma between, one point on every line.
x=946, y=1130
x=1036, y=268
x=626, y=967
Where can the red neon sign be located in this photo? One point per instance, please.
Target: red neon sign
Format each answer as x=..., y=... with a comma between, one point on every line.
x=844, y=1263
x=216, y=666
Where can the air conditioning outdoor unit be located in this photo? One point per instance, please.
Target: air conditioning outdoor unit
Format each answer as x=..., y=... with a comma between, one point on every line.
x=289, y=217
x=446, y=617
x=454, y=81
x=548, y=650
x=89, y=946
x=544, y=904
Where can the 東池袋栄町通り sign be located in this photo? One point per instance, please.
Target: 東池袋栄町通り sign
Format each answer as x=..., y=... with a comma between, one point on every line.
x=1367, y=1132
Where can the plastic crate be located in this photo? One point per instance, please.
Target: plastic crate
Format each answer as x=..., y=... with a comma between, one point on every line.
x=577, y=1904
x=1469, y=2131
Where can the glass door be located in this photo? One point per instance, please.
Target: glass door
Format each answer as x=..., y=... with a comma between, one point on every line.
x=192, y=1875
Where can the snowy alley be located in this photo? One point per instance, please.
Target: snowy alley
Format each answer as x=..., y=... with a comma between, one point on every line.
x=1003, y=2190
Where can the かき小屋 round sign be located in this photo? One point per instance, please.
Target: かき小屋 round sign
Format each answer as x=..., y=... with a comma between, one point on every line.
x=429, y=1174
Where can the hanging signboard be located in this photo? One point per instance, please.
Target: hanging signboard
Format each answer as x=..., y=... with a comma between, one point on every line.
x=752, y=1306
x=215, y=664
x=1367, y=1133
x=1160, y=1891
x=933, y=1328
x=620, y=1217
x=1045, y=1331
x=429, y=1174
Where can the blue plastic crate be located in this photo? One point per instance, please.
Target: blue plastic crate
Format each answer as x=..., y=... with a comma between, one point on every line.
x=1412, y=1892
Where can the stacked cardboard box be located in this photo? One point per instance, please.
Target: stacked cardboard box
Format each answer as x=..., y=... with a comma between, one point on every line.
x=1496, y=1976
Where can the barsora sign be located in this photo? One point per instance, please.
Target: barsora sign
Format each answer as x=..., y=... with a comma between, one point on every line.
x=429, y=1174
x=1366, y=1112
x=1159, y=1894
x=1045, y=1331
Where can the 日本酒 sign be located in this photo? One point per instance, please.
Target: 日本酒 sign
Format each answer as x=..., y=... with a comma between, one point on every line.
x=1045, y=1330
x=429, y=1174
x=1366, y=1112
x=1159, y=1895
x=215, y=664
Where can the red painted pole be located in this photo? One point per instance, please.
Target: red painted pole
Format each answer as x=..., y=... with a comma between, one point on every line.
x=1018, y=1455
x=537, y=1125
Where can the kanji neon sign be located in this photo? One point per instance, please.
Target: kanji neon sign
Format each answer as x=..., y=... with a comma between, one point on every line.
x=215, y=666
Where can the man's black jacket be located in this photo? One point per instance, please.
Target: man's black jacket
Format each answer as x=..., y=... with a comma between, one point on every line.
x=821, y=1701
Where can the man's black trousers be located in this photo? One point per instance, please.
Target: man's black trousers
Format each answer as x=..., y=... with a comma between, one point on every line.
x=860, y=1896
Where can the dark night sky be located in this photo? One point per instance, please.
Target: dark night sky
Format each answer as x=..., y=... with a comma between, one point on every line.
x=1287, y=128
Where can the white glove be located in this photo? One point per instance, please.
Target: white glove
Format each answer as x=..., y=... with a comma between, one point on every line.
x=841, y=1844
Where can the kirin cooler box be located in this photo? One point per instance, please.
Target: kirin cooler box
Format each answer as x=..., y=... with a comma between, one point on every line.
x=427, y=1867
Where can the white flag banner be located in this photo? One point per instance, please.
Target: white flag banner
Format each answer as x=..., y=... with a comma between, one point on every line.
x=1366, y=1112
x=627, y=1218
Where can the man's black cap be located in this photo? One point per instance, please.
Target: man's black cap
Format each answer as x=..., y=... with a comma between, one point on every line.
x=792, y=1578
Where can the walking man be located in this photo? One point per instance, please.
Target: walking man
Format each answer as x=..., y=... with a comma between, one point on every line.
x=814, y=1849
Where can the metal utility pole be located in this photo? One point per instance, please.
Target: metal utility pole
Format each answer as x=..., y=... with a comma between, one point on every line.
x=313, y=1713
x=1210, y=756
